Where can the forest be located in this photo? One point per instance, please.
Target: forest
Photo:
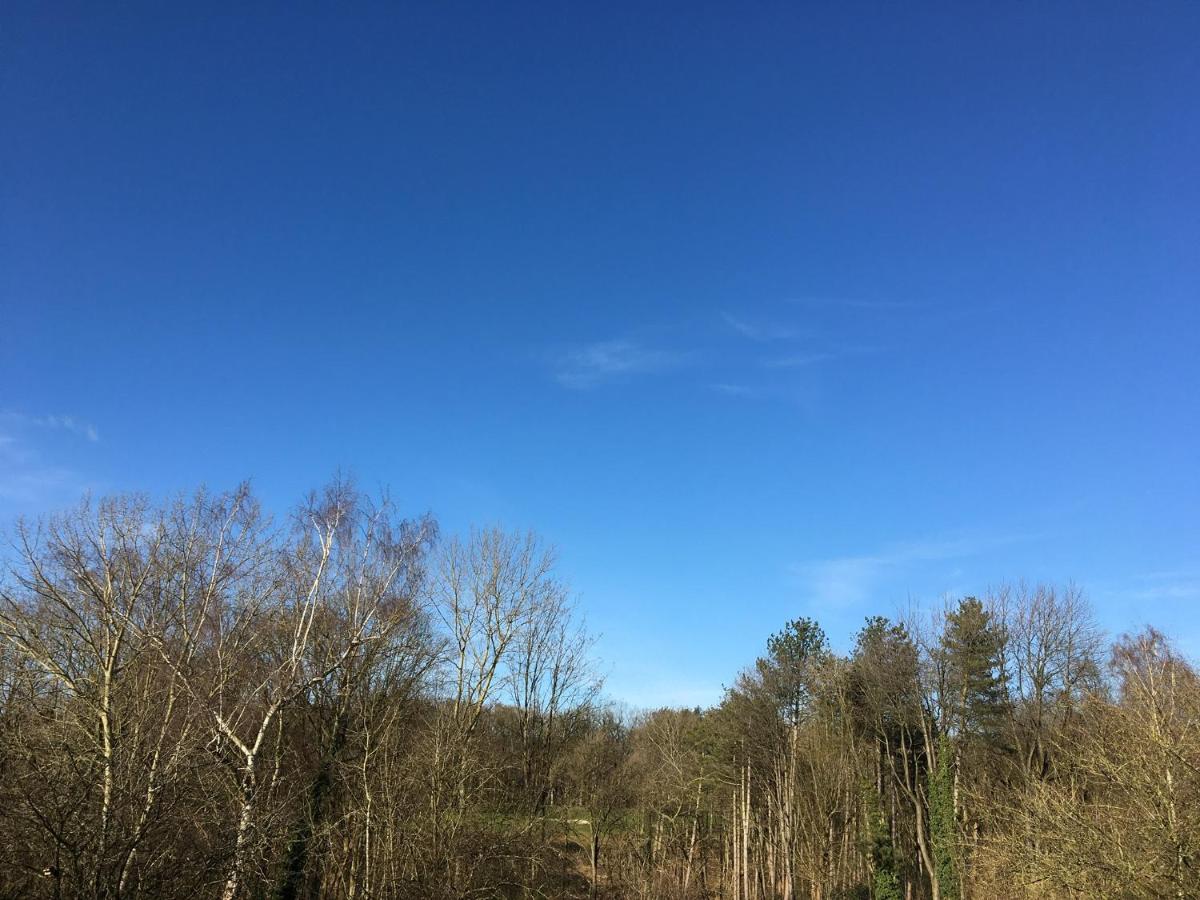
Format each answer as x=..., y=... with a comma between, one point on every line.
x=198, y=700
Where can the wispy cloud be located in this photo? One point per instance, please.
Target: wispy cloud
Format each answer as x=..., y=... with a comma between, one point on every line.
x=846, y=581
x=799, y=396
x=1167, y=598
x=815, y=348
x=602, y=362
x=748, y=343
x=800, y=360
x=32, y=485
x=737, y=390
x=763, y=332
x=815, y=357
x=31, y=476
x=855, y=303
x=1180, y=585
x=68, y=423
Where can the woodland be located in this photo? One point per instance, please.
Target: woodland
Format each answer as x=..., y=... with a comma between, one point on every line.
x=200, y=700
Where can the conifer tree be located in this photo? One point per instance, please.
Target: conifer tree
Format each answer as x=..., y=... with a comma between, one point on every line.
x=975, y=701
x=788, y=669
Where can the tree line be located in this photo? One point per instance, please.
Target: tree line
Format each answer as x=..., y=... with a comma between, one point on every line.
x=199, y=701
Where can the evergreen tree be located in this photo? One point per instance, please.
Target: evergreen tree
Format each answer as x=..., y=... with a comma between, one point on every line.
x=976, y=701
x=788, y=669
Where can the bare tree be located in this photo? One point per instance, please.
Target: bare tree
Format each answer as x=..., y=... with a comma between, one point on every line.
x=81, y=584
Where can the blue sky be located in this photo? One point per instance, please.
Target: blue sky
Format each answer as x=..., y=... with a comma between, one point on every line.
x=755, y=310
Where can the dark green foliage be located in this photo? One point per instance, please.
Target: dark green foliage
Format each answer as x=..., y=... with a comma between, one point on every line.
x=800, y=640
x=885, y=883
x=788, y=669
x=886, y=886
x=883, y=679
x=976, y=702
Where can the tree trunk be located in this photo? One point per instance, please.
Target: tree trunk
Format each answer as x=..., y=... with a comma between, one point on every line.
x=238, y=865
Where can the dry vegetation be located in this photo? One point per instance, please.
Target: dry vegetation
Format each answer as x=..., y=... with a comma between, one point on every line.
x=197, y=702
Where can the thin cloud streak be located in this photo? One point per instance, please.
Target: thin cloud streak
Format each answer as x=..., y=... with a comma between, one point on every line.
x=847, y=581
x=72, y=424
x=38, y=484
x=69, y=423
x=760, y=332
x=852, y=303
x=737, y=390
x=603, y=362
x=816, y=357
x=800, y=360
x=1167, y=586
x=29, y=480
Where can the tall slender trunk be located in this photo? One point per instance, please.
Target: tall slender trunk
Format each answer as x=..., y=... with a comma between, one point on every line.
x=238, y=865
x=912, y=786
x=687, y=871
x=151, y=797
x=746, y=834
x=595, y=859
x=106, y=787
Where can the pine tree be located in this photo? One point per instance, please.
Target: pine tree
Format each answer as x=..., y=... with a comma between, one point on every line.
x=787, y=671
x=976, y=701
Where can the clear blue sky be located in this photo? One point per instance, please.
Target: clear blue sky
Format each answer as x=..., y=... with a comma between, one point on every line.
x=756, y=310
